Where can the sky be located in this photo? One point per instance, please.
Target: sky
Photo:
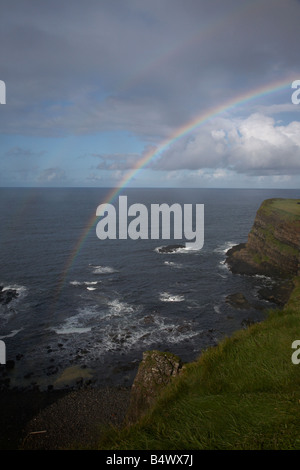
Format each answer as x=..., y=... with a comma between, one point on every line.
x=160, y=93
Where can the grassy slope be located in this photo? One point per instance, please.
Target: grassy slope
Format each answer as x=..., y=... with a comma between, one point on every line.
x=284, y=208
x=242, y=394
x=287, y=211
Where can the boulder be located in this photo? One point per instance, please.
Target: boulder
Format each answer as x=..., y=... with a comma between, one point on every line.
x=170, y=248
x=7, y=295
x=238, y=300
x=156, y=370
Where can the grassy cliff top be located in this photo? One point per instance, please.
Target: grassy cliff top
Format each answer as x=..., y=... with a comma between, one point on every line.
x=282, y=208
x=243, y=394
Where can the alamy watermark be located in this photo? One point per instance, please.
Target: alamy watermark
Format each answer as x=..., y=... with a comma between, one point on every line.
x=295, y=95
x=136, y=222
x=2, y=352
x=296, y=354
x=2, y=92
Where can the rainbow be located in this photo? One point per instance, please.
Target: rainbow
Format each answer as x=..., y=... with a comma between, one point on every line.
x=177, y=134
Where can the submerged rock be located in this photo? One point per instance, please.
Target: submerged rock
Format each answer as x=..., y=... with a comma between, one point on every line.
x=238, y=300
x=7, y=295
x=170, y=248
x=279, y=293
x=155, y=372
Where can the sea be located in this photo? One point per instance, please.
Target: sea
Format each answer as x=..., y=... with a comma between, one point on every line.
x=86, y=309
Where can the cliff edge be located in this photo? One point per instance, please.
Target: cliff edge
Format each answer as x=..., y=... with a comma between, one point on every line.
x=243, y=393
x=273, y=246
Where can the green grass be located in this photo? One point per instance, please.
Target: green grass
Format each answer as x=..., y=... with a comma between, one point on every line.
x=290, y=206
x=242, y=394
x=272, y=241
x=286, y=209
x=259, y=259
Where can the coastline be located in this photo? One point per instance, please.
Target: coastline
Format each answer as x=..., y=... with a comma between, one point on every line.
x=69, y=418
x=59, y=419
x=62, y=418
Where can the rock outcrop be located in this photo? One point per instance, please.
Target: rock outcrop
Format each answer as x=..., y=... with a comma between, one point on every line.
x=155, y=371
x=273, y=249
x=170, y=248
x=273, y=246
x=7, y=295
x=238, y=300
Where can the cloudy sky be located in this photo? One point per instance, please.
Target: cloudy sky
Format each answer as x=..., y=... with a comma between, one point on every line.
x=96, y=88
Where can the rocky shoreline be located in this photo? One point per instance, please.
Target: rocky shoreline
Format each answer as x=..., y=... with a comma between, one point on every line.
x=57, y=418
x=60, y=419
x=272, y=249
x=273, y=245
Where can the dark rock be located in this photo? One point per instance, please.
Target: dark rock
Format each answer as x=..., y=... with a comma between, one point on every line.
x=238, y=300
x=247, y=322
x=278, y=294
x=156, y=370
x=272, y=248
x=10, y=364
x=6, y=296
x=170, y=248
x=27, y=376
x=149, y=319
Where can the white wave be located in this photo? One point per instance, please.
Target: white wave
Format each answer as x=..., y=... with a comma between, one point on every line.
x=12, y=334
x=166, y=297
x=224, y=267
x=71, y=330
x=263, y=276
x=116, y=307
x=173, y=265
x=91, y=288
x=222, y=249
x=84, y=283
x=103, y=270
x=79, y=322
x=217, y=308
x=161, y=330
x=223, y=276
x=21, y=290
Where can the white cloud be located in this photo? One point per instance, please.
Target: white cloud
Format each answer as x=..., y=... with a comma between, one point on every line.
x=52, y=175
x=255, y=145
x=261, y=147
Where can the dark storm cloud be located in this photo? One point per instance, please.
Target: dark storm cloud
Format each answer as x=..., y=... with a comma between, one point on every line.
x=64, y=62
x=83, y=67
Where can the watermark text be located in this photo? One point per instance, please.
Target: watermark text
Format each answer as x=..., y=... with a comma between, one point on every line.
x=296, y=354
x=136, y=222
x=2, y=92
x=2, y=352
x=296, y=94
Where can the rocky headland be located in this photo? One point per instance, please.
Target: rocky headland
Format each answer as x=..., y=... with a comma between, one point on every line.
x=192, y=390
x=273, y=245
x=273, y=250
